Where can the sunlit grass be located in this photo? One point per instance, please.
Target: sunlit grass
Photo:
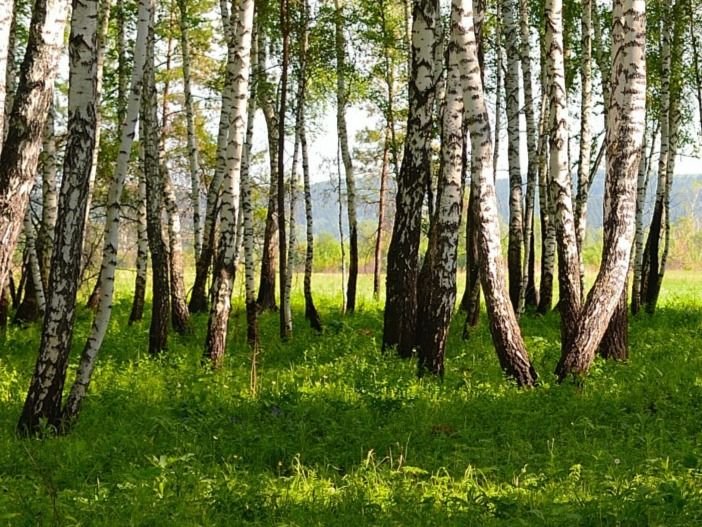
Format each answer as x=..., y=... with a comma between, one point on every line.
x=340, y=434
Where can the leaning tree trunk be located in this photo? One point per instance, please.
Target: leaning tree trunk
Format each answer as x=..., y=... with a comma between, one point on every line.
x=224, y=264
x=341, y=103
x=505, y=331
x=585, y=132
x=638, y=249
x=402, y=268
x=625, y=128
x=198, y=296
x=160, y=287
x=438, y=298
x=559, y=175
x=43, y=403
x=20, y=153
x=516, y=221
x=142, y=257
x=193, y=154
x=652, y=250
x=106, y=280
x=471, y=296
x=103, y=23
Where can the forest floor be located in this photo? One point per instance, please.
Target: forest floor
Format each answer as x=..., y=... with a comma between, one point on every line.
x=340, y=434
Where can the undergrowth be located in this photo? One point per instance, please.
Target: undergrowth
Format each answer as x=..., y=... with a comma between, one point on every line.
x=341, y=434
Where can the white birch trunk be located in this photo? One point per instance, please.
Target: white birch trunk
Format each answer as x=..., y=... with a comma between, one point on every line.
x=516, y=220
x=560, y=180
x=503, y=321
x=341, y=102
x=193, y=153
x=46, y=389
x=6, y=16
x=625, y=129
x=112, y=221
x=45, y=240
x=585, y=132
x=20, y=153
x=224, y=273
x=437, y=303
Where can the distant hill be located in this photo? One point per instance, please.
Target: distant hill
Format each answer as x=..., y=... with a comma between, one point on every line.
x=686, y=199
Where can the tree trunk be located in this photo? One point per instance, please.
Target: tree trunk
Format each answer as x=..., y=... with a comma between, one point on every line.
x=266, y=288
x=585, y=133
x=6, y=39
x=193, y=154
x=142, y=258
x=106, y=281
x=638, y=249
x=180, y=316
x=45, y=391
x=402, y=269
x=527, y=294
x=285, y=322
x=559, y=180
x=378, y=249
x=104, y=8
x=341, y=102
x=266, y=95
x=438, y=296
x=45, y=239
x=625, y=128
x=20, y=153
x=30, y=238
x=503, y=323
x=161, y=306
x=650, y=283
x=516, y=220
x=247, y=213
x=224, y=264
x=198, y=296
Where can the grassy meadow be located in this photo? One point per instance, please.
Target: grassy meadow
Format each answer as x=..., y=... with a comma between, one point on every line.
x=342, y=435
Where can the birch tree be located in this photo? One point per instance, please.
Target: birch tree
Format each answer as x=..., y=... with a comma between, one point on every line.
x=516, y=220
x=625, y=129
x=585, y=131
x=439, y=290
x=6, y=17
x=20, y=153
x=224, y=264
x=559, y=176
x=504, y=328
x=193, y=152
x=198, y=296
x=149, y=131
x=111, y=240
x=341, y=103
x=285, y=321
x=137, y=311
x=402, y=270
x=46, y=388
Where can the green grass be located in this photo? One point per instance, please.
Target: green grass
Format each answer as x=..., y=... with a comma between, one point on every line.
x=340, y=434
